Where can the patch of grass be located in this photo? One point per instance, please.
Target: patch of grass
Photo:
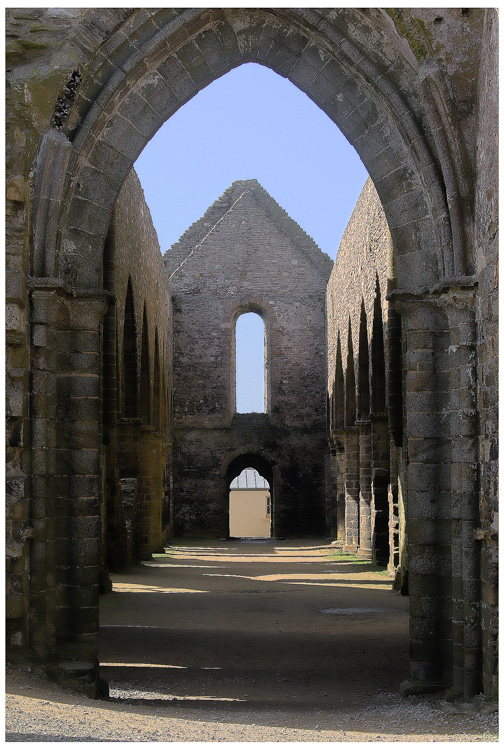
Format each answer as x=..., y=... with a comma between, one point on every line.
x=364, y=565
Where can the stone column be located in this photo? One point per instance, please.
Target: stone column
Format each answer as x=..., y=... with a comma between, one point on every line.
x=336, y=486
x=467, y=657
x=340, y=485
x=351, y=489
x=428, y=513
x=66, y=439
x=380, y=510
x=46, y=304
x=365, y=489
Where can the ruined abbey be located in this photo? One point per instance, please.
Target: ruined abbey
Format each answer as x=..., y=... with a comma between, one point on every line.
x=379, y=428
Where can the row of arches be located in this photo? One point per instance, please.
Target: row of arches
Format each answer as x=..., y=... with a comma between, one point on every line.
x=355, y=398
x=142, y=385
x=137, y=390
x=366, y=509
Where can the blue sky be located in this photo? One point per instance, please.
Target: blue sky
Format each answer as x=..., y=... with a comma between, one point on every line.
x=251, y=124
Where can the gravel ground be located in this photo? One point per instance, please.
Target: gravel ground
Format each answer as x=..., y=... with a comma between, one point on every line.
x=38, y=711
x=209, y=644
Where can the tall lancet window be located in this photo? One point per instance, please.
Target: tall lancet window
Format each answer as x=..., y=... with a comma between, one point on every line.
x=250, y=364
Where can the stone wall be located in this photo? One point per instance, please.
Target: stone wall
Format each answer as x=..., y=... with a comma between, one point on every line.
x=246, y=254
x=137, y=383
x=365, y=502
x=486, y=242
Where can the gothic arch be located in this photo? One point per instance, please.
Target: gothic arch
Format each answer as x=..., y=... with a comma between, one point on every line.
x=157, y=400
x=130, y=357
x=156, y=60
x=137, y=68
x=378, y=375
x=338, y=391
x=350, y=385
x=363, y=367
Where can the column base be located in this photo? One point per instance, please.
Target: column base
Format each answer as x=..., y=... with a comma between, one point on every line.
x=82, y=676
x=350, y=548
x=416, y=687
x=365, y=553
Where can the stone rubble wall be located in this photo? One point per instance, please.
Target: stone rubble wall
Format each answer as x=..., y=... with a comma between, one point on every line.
x=245, y=254
x=360, y=264
x=138, y=449
x=486, y=262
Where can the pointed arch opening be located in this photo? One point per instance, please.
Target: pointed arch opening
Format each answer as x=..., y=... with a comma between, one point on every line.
x=350, y=399
x=130, y=357
x=378, y=375
x=145, y=381
x=157, y=402
x=363, y=368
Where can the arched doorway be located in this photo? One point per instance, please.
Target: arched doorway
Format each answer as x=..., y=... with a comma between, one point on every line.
x=250, y=481
x=249, y=506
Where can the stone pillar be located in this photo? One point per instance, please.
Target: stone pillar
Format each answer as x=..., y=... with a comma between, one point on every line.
x=340, y=486
x=128, y=461
x=45, y=302
x=66, y=513
x=351, y=489
x=336, y=484
x=382, y=520
x=150, y=492
x=365, y=489
x=459, y=305
x=428, y=510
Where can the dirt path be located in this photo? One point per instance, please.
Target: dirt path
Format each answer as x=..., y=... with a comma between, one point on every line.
x=262, y=641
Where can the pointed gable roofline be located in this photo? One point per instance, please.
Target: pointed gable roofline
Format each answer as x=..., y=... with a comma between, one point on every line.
x=197, y=233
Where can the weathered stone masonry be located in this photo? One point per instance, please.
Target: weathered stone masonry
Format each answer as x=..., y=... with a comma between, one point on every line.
x=137, y=376
x=365, y=507
x=414, y=91
x=246, y=254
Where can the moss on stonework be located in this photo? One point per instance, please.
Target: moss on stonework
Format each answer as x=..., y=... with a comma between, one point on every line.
x=29, y=44
x=419, y=49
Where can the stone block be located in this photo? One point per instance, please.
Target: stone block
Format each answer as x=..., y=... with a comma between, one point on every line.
x=77, y=386
x=85, y=620
x=429, y=450
x=85, y=552
x=433, y=425
x=107, y=158
x=435, y=476
x=80, y=461
x=434, y=560
x=78, y=409
x=429, y=531
x=85, y=527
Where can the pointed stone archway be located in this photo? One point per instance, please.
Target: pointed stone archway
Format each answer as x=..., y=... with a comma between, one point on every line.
x=138, y=68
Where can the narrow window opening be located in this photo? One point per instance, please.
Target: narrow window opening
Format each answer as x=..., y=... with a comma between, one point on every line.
x=250, y=364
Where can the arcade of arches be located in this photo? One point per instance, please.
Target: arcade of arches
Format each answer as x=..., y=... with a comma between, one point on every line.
x=102, y=436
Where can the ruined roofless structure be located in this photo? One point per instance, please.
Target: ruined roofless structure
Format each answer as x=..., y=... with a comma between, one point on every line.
x=89, y=360
x=247, y=255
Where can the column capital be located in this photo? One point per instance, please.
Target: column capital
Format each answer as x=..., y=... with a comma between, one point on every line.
x=85, y=307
